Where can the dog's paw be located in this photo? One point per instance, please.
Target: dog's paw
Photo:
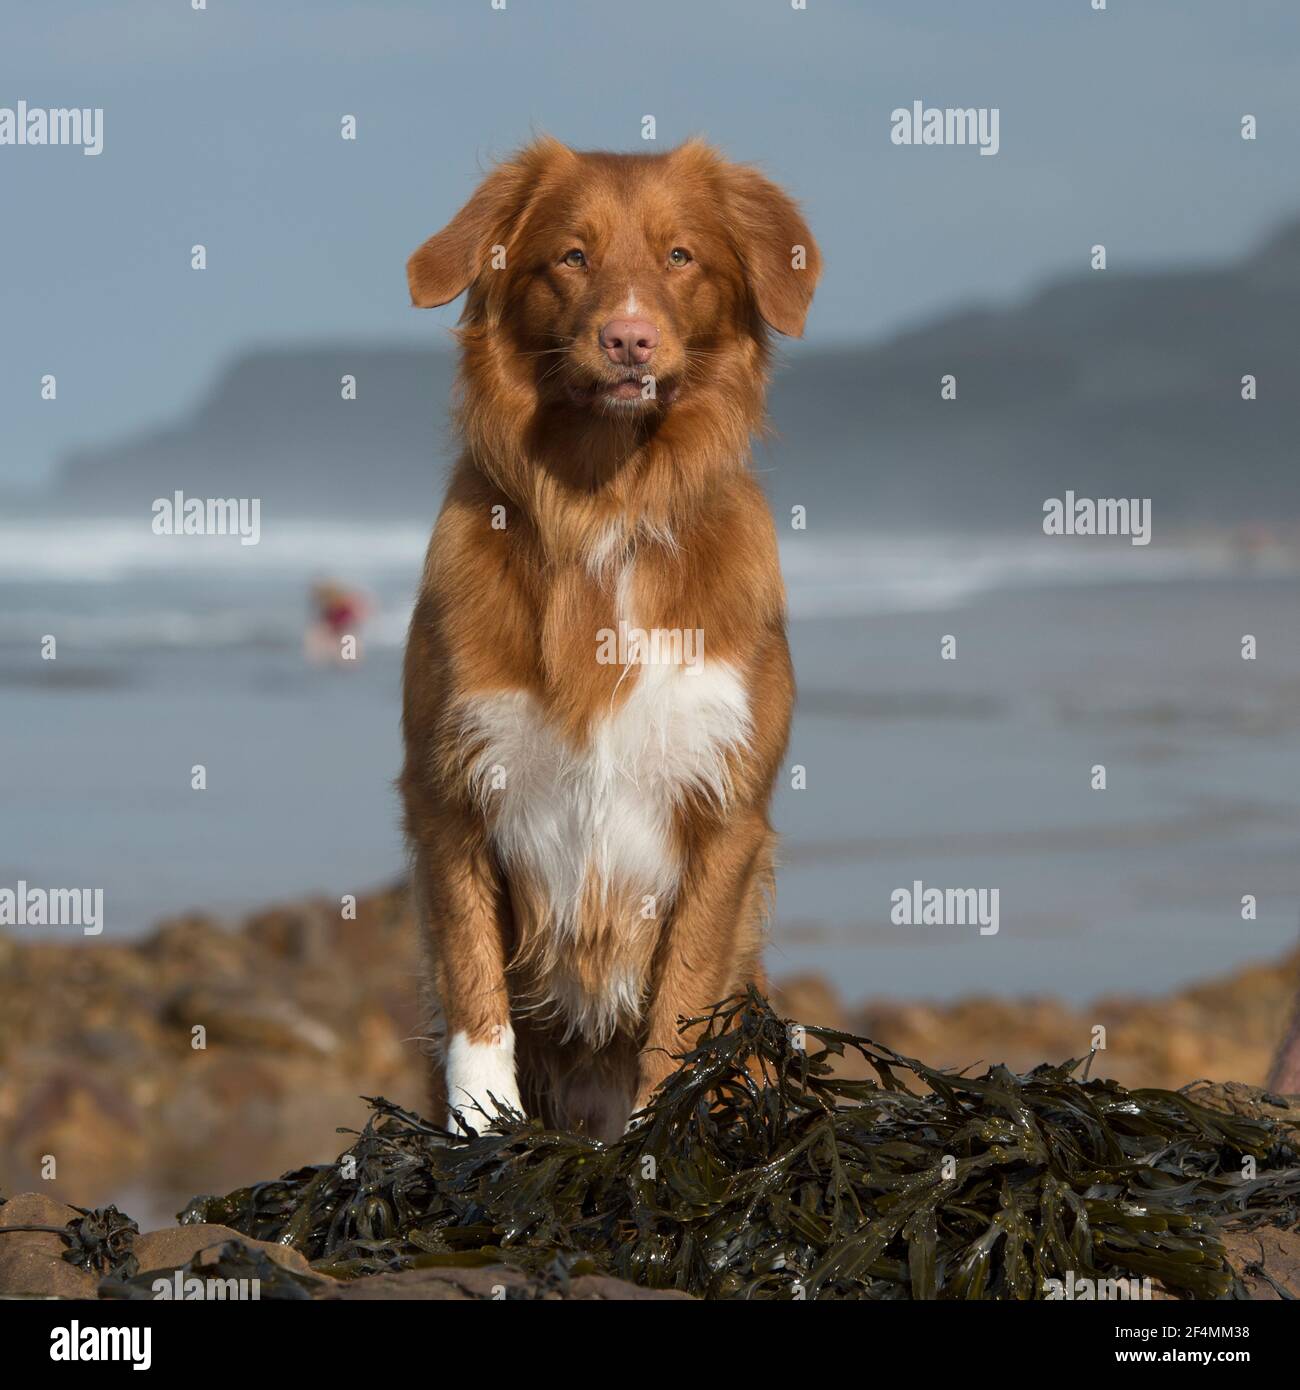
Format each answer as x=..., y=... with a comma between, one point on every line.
x=480, y=1080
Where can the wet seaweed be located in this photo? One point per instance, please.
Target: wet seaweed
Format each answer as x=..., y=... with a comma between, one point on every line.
x=760, y=1171
x=100, y=1241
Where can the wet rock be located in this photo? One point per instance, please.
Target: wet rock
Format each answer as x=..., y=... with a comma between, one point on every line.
x=1268, y=1261
x=31, y=1262
x=1251, y=1101
x=169, y=1249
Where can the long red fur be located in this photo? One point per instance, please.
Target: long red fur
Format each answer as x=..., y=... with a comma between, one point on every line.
x=513, y=590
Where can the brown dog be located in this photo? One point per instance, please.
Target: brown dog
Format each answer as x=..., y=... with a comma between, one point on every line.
x=597, y=686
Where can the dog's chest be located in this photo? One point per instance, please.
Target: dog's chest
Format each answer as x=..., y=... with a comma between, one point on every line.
x=599, y=817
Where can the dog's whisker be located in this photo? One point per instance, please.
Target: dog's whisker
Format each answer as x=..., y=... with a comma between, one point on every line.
x=550, y=372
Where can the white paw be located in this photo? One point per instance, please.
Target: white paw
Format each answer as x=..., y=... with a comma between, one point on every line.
x=480, y=1078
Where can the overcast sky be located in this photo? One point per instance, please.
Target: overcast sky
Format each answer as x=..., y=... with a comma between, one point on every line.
x=222, y=127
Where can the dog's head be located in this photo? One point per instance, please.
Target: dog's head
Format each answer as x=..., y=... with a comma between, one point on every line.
x=621, y=284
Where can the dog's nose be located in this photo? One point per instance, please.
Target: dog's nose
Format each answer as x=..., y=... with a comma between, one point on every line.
x=629, y=342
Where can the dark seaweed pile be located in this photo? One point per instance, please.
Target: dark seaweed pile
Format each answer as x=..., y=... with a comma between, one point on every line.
x=100, y=1242
x=803, y=1185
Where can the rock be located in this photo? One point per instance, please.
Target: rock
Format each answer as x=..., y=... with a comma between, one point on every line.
x=1253, y=1102
x=31, y=1262
x=1274, y=1252
x=810, y=1000
x=307, y=1010
x=78, y=1117
x=303, y=934
x=456, y=1283
x=197, y=945
x=241, y=1018
x=173, y=1247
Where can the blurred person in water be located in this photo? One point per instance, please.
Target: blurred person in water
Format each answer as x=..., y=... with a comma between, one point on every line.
x=334, y=629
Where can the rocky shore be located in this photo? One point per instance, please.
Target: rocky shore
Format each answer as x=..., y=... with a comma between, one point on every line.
x=50, y=1250
x=202, y=1058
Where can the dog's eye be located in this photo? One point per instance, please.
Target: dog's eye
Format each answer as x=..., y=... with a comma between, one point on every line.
x=574, y=259
x=679, y=256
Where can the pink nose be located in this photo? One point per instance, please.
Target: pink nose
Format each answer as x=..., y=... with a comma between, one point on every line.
x=629, y=342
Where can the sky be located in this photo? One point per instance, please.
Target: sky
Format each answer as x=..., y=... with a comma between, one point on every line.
x=222, y=127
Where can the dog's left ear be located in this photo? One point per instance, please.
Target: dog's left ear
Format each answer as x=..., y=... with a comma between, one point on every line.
x=776, y=246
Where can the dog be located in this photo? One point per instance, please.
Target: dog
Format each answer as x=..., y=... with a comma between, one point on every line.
x=597, y=683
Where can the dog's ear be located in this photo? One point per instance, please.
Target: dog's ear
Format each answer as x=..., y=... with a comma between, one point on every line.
x=778, y=251
x=451, y=260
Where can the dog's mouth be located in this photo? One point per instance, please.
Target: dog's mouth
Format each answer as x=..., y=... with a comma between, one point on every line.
x=632, y=390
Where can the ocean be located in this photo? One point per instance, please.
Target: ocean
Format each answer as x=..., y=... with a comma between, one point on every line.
x=974, y=773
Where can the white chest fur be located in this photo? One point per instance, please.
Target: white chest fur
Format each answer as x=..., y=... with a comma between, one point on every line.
x=602, y=814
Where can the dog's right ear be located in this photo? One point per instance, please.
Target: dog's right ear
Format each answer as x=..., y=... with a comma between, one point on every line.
x=450, y=261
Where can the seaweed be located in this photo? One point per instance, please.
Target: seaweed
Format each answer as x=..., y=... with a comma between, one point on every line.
x=100, y=1241
x=759, y=1172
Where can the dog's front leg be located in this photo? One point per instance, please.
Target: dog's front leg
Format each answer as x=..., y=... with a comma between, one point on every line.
x=712, y=944
x=461, y=902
